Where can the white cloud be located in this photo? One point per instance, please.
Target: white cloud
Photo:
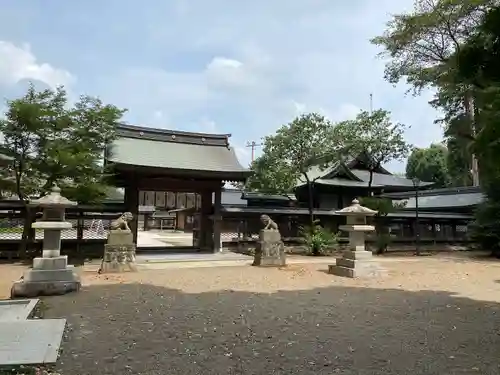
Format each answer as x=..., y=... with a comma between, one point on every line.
x=19, y=63
x=207, y=126
x=299, y=107
x=247, y=69
x=242, y=153
x=223, y=72
x=345, y=111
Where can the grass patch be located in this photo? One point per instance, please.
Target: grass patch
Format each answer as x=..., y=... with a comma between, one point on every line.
x=15, y=230
x=12, y=230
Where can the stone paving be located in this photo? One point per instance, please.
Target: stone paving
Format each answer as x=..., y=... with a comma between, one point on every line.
x=25, y=341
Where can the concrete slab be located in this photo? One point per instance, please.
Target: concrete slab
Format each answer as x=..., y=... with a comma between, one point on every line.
x=30, y=342
x=149, y=239
x=20, y=309
x=190, y=257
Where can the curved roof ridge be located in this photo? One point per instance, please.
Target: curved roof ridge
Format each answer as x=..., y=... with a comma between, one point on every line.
x=176, y=136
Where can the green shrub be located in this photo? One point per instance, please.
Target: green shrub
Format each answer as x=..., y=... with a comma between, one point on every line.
x=382, y=241
x=485, y=230
x=318, y=239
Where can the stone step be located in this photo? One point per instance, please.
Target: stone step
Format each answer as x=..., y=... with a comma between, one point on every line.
x=341, y=271
x=344, y=262
x=366, y=269
x=32, y=289
x=56, y=263
x=357, y=255
x=50, y=275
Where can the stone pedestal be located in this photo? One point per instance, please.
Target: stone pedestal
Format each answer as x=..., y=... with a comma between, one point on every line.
x=270, y=251
x=51, y=273
x=119, y=252
x=356, y=261
x=49, y=276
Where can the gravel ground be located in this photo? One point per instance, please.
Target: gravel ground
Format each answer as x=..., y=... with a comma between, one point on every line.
x=434, y=315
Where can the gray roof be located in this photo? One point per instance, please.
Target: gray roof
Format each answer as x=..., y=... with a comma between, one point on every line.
x=5, y=160
x=174, y=150
x=385, y=179
x=445, y=201
x=430, y=215
x=440, y=191
x=344, y=182
x=264, y=196
x=355, y=177
x=316, y=172
x=231, y=197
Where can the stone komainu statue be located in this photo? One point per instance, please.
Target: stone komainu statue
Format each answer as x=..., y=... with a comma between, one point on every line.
x=269, y=224
x=122, y=222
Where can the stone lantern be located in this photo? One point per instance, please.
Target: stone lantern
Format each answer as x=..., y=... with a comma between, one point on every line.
x=51, y=273
x=355, y=261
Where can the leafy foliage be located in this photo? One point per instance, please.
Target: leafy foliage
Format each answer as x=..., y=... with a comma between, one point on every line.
x=429, y=164
x=383, y=206
x=272, y=175
x=289, y=154
x=478, y=65
x=422, y=48
x=485, y=230
x=318, y=239
x=374, y=135
x=310, y=141
x=52, y=143
x=420, y=43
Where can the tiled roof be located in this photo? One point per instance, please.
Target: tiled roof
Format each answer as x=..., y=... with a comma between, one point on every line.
x=345, y=182
x=455, y=197
x=262, y=196
x=174, y=150
x=385, y=179
x=231, y=197
x=445, y=201
x=353, y=176
x=5, y=160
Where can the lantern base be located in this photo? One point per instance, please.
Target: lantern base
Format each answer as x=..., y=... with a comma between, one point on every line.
x=30, y=289
x=356, y=264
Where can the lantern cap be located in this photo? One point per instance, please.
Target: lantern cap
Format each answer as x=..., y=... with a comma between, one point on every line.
x=355, y=209
x=53, y=199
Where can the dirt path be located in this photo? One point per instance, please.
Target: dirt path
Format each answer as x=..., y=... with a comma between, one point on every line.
x=432, y=316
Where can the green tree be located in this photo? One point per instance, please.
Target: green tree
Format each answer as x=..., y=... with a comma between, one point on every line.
x=380, y=140
x=384, y=207
x=376, y=136
x=53, y=143
x=421, y=46
x=420, y=43
x=478, y=63
x=288, y=156
x=429, y=164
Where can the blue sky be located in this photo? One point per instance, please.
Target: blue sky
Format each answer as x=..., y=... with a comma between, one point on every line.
x=225, y=66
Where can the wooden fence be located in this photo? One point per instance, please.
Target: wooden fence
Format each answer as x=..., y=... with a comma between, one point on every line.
x=85, y=239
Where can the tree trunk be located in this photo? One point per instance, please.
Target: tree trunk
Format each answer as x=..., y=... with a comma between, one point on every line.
x=28, y=235
x=310, y=201
x=470, y=111
x=370, y=183
x=382, y=232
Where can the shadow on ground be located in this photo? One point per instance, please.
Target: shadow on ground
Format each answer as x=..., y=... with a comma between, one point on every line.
x=146, y=329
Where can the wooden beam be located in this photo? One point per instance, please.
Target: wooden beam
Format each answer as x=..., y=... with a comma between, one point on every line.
x=175, y=185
